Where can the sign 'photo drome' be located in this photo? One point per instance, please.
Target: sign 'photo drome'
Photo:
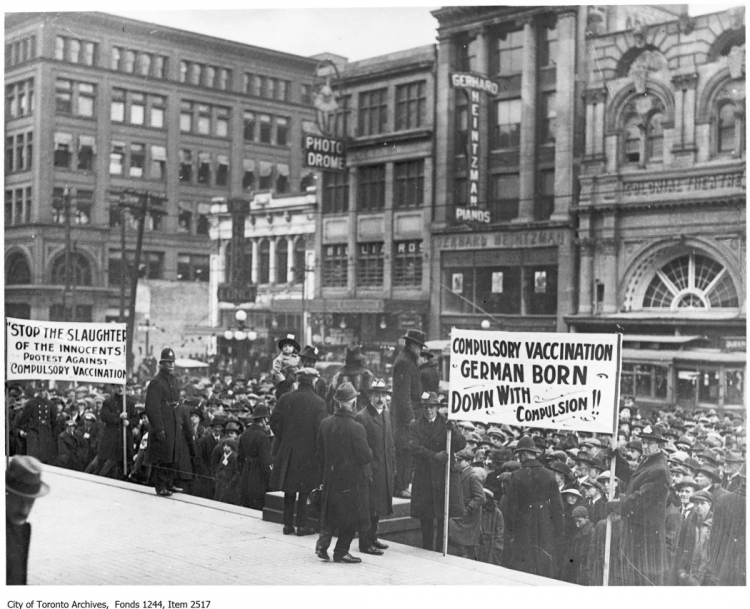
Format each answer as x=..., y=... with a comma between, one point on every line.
x=546, y=380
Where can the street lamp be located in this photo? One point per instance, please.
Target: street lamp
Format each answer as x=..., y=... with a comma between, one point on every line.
x=485, y=324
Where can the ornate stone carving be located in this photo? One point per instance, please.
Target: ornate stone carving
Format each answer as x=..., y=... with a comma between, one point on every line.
x=607, y=246
x=737, y=15
x=684, y=81
x=736, y=61
x=686, y=24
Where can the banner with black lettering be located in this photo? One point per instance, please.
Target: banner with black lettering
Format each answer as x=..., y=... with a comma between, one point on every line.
x=65, y=351
x=546, y=380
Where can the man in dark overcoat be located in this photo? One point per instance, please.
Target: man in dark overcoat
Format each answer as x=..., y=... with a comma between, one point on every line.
x=343, y=455
x=162, y=401
x=254, y=459
x=407, y=389
x=38, y=426
x=377, y=423
x=354, y=372
x=429, y=375
x=534, y=516
x=204, y=485
x=115, y=420
x=308, y=357
x=294, y=421
x=644, y=513
x=427, y=440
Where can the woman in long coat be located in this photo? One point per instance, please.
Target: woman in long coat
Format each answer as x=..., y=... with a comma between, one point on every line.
x=254, y=460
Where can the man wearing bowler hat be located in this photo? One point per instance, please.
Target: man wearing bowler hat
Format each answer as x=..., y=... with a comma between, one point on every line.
x=407, y=389
x=534, y=518
x=23, y=485
x=643, y=507
x=162, y=403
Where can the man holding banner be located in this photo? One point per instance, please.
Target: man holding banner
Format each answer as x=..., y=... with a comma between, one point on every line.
x=115, y=418
x=162, y=402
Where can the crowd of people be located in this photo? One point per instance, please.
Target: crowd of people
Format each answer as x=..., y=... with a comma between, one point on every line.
x=671, y=488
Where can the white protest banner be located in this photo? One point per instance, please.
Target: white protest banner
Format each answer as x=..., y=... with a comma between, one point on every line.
x=83, y=352
x=546, y=380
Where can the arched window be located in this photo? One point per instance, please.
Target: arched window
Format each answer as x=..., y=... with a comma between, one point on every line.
x=264, y=261
x=74, y=50
x=655, y=137
x=115, y=65
x=129, y=62
x=282, y=266
x=632, y=151
x=144, y=64
x=692, y=281
x=81, y=270
x=17, y=270
x=725, y=128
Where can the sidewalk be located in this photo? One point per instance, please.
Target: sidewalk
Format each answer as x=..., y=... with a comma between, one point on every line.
x=95, y=531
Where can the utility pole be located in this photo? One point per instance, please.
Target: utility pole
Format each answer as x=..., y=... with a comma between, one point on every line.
x=66, y=211
x=124, y=262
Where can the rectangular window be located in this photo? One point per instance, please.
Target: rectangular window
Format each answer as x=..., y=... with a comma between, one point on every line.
x=222, y=122
x=63, y=96
x=341, y=117
x=19, y=98
x=88, y=53
x=370, y=263
x=371, y=188
x=282, y=90
x=305, y=93
x=21, y=50
x=373, y=112
x=210, y=77
x=137, y=108
x=265, y=128
x=86, y=96
x=462, y=125
x=408, y=184
x=248, y=175
x=185, y=220
x=158, y=162
x=117, y=107
x=282, y=178
x=186, y=116
x=335, y=192
x=204, y=168
x=265, y=176
x=466, y=53
x=192, y=267
x=548, y=47
x=509, y=53
x=507, y=130
x=18, y=206
x=156, y=116
x=734, y=387
x=84, y=201
x=410, y=105
x=222, y=170
x=86, y=152
x=63, y=149
x=10, y=164
x=137, y=160
x=186, y=165
x=204, y=119
x=225, y=77
x=270, y=88
x=256, y=85
x=498, y=289
x=407, y=264
x=117, y=158
x=548, y=116
x=545, y=199
x=335, y=266
x=505, y=196
x=541, y=290
x=249, y=126
x=282, y=130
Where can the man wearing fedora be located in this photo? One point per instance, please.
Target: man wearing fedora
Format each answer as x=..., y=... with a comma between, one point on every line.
x=377, y=423
x=690, y=560
x=23, y=485
x=427, y=439
x=643, y=507
x=407, y=389
x=344, y=456
x=308, y=357
x=534, y=520
x=204, y=447
x=354, y=372
x=254, y=459
x=294, y=421
x=162, y=403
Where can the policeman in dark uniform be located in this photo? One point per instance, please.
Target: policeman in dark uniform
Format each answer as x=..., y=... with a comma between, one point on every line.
x=162, y=402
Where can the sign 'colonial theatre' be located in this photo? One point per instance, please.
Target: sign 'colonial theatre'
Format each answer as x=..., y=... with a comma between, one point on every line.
x=473, y=86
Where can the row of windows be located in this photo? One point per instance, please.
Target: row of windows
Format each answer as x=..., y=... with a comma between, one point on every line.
x=267, y=87
x=74, y=50
x=138, y=62
x=370, y=265
x=204, y=168
x=212, y=77
x=20, y=50
x=408, y=187
x=281, y=272
x=79, y=157
x=19, y=98
x=265, y=128
x=131, y=160
x=17, y=206
x=74, y=98
x=204, y=119
x=136, y=108
x=506, y=51
x=266, y=176
x=19, y=152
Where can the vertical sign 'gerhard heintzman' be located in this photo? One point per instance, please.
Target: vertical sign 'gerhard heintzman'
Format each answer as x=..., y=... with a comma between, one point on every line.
x=535, y=379
x=473, y=86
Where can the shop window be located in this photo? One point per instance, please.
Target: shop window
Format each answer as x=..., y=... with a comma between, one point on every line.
x=541, y=290
x=411, y=103
x=335, y=192
x=204, y=168
x=408, y=184
x=371, y=188
x=506, y=195
x=370, y=264
x=498, y=289
x=407, y=264
x=509, y=53
x=507, y=128
x=335, y=266
x=373, y=112
x=734, y=387
x=708, y=387
x=645, y=381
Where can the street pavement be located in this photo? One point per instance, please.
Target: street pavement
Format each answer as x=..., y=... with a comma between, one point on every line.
x=92, y=531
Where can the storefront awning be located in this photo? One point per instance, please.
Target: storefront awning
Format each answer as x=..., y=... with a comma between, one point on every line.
x=666, y=356
x=662, y=339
